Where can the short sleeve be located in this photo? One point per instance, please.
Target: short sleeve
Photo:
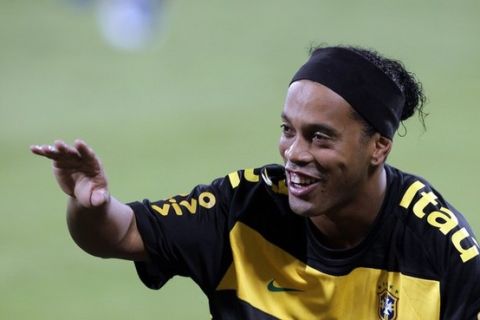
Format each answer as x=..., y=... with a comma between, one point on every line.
x=461, y=283
x=450, y=247
x=185, y=235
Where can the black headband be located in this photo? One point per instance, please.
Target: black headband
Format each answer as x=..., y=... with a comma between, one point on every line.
x=362, y=84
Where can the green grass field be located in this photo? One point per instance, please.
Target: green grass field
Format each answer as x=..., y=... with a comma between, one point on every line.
x=202, y=101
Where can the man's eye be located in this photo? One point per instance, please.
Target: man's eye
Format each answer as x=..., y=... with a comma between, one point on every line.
x=319, y=136
x=285, y=129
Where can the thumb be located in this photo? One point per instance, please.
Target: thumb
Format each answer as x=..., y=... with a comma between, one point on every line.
x=99, y=197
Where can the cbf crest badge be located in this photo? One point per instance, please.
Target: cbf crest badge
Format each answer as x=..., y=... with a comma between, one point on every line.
x=387, y=303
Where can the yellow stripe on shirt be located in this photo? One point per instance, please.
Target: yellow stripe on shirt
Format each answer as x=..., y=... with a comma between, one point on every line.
x=271, y=280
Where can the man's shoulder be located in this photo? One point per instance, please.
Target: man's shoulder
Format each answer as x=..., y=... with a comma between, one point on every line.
x=428, y=216
x=260, y=187
x=271, y=176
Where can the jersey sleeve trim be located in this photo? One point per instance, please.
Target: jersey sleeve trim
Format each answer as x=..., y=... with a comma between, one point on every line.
x=149, y=272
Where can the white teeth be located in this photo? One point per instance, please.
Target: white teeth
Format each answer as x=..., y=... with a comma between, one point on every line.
x=297, y=179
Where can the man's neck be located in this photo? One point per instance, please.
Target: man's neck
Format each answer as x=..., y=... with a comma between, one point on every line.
x=348, y=226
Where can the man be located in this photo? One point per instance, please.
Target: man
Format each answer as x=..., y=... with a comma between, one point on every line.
x=334, y=234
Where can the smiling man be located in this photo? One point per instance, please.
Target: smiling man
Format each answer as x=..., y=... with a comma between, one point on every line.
x=333, y=170
x=335, y=233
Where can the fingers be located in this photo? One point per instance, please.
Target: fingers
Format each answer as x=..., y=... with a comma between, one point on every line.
x=59, y=151
x=84, y=150
x=63, y=148
x=45, y=150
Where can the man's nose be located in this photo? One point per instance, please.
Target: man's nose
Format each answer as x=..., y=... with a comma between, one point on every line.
x=299, y=151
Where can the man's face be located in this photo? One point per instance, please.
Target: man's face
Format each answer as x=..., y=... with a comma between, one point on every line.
x=327, y=157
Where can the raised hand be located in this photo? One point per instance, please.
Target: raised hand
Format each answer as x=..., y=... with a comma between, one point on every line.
x=78, y=171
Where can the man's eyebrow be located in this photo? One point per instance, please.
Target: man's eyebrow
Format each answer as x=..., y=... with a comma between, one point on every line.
x=314, y=127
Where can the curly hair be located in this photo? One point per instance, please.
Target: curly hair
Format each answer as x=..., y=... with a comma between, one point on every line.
x=411, y=88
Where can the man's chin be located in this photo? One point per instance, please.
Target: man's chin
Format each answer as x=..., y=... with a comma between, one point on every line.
x=301, y=207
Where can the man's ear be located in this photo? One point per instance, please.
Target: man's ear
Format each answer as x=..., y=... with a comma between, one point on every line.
x=382, y=147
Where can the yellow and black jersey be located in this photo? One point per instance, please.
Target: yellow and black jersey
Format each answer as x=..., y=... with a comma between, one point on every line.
x=255, y=259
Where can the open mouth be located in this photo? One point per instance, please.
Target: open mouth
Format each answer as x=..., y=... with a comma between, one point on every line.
x=300, y=184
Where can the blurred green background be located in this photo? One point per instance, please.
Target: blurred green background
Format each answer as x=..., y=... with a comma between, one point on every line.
x=201, y=100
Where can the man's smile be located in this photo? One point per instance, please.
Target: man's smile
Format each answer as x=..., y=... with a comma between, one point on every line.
x=301, y=184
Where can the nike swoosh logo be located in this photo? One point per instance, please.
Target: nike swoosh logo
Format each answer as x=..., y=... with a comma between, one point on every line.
x=273, y=288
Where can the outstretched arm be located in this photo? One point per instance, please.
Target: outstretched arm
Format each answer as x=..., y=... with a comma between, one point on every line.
x=100, y=224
